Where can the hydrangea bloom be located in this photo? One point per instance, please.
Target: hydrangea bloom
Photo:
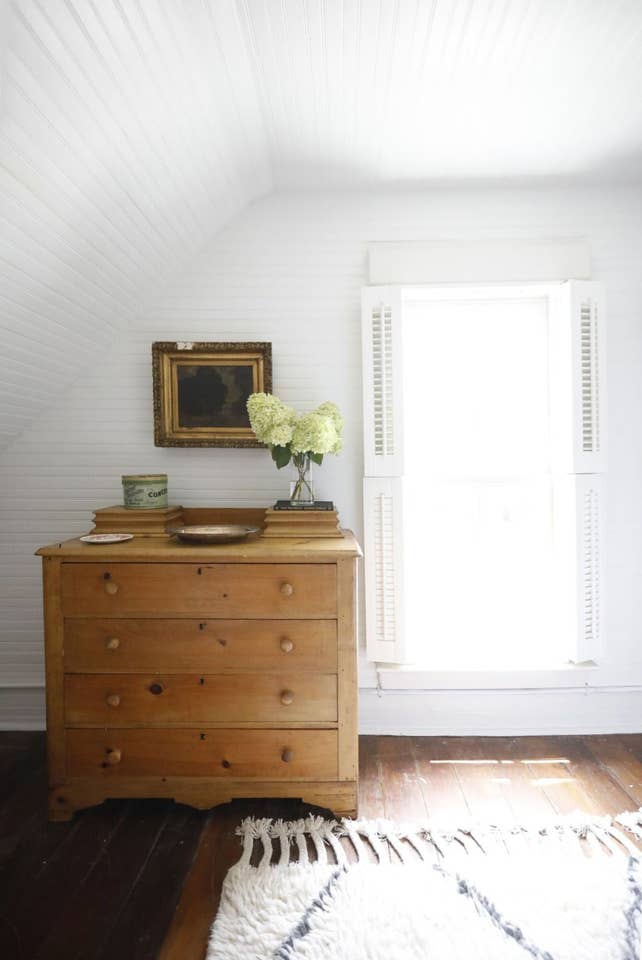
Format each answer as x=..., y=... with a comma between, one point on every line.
x=329, y=409
x=314, y=433
x=271, y=419
x=289, y=436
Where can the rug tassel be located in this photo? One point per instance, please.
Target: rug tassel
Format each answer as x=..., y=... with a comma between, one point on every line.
x=352, y=830
x=313, y=826
x=631, y=821
x=397, y=845
x=301, y=842
x=624, y=841
x=378, y=846
x=425, y=850
x=331, y=838
x=430, y=842
x=266, y=840
x=471, y=839
x=248, y=830
x=280, y=831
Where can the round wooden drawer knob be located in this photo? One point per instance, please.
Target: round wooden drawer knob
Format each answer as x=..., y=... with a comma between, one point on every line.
x=113, y=757
x=156, y=688
x=287, y=697
x=113, y=700
x=287, y=755
x=111, y=587
x=287, y=589
x=286, y=645
x=112, y=643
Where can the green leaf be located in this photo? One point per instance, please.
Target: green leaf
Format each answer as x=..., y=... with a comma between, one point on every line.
x=317, y=458
x=281, y=456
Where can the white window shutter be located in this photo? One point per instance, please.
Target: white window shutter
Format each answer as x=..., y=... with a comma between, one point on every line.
x=578, y=507
x=577, y=337
x=383, y=532
x=577, y=367
x=382, y=381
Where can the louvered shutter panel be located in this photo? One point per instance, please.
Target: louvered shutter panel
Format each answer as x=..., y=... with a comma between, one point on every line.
x=383, y=455
x=577, y=338
x=382, y=381
x=578, y=510
x=383, y=553
x=577, y=335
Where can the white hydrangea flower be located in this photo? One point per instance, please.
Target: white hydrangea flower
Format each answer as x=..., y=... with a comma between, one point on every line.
x=280, y=434
x=329, y=409
x=271, y=420
x=277, y=425
x=314, y=433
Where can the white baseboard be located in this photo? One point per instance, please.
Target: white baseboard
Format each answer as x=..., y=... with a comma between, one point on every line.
x=441, y=713
x=495, y=713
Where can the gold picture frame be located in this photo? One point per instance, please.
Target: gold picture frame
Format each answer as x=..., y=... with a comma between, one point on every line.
x=201, y=389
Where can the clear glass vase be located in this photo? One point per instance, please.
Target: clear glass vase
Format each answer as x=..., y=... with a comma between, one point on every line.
x=301, y=488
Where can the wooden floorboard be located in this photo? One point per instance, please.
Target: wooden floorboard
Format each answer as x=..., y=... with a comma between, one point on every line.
x=139, y=929
x=83, y=923
x=218, y=850
x=58, y=879
x=141, y=880
x=444, y=798
x=621, y=759
x=370, y=786
x=403, y=798
x=26, y=803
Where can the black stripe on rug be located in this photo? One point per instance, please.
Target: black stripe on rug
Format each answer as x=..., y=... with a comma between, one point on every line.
x=634, y=913
x=482, y=902
x=485, y=906
x=322, y=901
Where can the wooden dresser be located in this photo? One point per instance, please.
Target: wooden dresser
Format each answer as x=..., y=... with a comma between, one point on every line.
x=201, y=673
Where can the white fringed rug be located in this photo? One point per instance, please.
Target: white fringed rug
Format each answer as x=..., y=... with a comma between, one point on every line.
x=479, y=893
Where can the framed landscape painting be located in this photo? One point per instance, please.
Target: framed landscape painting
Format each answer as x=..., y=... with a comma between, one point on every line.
x=201, y=392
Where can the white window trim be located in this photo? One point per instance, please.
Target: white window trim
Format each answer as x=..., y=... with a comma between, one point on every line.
x=417, y=676
x=564, y=295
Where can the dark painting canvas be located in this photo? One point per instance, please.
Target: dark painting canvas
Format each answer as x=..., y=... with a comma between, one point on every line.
x=213, y=396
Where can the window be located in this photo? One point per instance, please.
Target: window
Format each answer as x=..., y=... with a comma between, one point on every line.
x=483, y=494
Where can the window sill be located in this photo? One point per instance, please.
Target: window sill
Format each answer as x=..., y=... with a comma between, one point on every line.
x=421, y=676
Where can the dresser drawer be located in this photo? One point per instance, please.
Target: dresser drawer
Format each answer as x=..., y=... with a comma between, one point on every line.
x=304, y=591
x=200, y=646
x=124, y=699
x=230, y=754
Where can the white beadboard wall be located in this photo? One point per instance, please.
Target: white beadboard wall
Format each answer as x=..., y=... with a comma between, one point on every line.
x=289, y=270
x=117, y=162
x=131, y=131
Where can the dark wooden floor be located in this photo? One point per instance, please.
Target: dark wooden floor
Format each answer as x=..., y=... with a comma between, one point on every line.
x=141, y=880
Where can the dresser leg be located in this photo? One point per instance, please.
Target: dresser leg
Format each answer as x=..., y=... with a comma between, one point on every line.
x=59, y=807
x=60, y=816
x=340, y=798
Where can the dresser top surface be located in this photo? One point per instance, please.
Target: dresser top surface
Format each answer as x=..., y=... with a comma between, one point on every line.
x=255, y=549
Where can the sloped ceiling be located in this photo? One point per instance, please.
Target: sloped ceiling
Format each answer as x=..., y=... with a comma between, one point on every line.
x=364, y=91
x=131, y=130
x=130, y=133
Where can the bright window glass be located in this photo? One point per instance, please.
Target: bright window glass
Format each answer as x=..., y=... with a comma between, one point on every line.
x=478, y=530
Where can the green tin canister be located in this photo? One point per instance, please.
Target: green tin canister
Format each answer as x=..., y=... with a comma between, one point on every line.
x=145, y=491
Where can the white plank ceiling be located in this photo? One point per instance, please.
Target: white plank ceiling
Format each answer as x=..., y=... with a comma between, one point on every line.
x=131, y=130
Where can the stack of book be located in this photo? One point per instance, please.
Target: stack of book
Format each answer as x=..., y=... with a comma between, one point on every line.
x=142, y=523
x=313, y=520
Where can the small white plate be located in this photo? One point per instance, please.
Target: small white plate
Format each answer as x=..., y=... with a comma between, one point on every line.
x=107, y=537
